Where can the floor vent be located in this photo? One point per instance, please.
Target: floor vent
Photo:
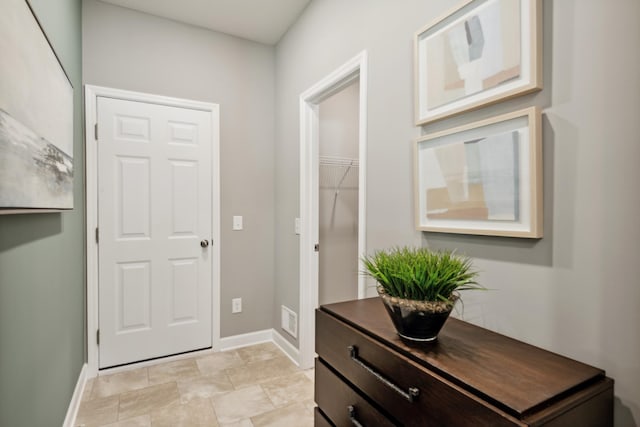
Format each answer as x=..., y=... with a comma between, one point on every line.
x=290, y=321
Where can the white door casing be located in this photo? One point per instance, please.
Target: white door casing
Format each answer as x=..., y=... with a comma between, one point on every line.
x=309, y=192
x=158, y=192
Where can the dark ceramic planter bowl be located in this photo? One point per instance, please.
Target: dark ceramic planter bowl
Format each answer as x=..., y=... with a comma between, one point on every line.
x=418, y=321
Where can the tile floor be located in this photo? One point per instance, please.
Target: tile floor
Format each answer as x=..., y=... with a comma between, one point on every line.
x=249, y=387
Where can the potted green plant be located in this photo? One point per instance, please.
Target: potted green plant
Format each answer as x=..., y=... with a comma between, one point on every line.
x=419, y=287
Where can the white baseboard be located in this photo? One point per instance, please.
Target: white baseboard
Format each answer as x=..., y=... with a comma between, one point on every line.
x=152, y=362
x=286, y=347
x=74, y=405
x=258, y=337
x=244, y=340
x=227, y=343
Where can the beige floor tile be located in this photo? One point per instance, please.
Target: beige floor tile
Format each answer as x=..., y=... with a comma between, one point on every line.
x=121, y=382
x=141, y=421
x=241, y=386
x=261, y=371
x=293, y=415
x=258, y=352
x=294, y=388
x=241, y=423
x=195, y=413
x=310, y=404
x=310, y=373
x=172, y=371
x=241, y=404
x=217, y=362
x=88, y=388
x=98, y=412
x=203, y=387
x=147, y=400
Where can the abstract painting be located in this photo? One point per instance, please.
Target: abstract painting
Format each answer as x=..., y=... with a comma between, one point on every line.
x=482, y=178
x=36, y=117
x=475, y=179
x=481, y=53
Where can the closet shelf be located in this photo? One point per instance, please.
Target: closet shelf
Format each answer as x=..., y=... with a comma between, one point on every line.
x=338, y=161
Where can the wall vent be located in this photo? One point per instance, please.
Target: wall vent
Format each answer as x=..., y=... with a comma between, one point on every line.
x=290, y=321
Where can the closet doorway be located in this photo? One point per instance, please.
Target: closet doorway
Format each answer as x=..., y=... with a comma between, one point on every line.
x=338, y=174
x=332, y=194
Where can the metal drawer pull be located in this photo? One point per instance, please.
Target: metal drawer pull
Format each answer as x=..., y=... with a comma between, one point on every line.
x=410, y=396
x=352, y=416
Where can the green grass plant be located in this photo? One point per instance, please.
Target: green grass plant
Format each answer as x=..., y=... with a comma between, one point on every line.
x=420, y=273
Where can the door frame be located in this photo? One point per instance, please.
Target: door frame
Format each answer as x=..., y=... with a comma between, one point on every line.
x=310, y=99
x=91, y=94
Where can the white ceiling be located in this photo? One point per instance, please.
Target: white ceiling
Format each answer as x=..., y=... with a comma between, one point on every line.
x=264, y=21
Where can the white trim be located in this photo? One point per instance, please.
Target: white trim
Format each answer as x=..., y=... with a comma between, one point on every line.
x=153, y=362
x=228, y=343
x=309, y=154
x=76, y=398
x=286, y=347
x=244, y=340
x=91, y=161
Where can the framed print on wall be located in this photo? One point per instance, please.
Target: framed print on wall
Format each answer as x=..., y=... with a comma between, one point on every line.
x=36, y=117
x=483, y=52
x=482, y=178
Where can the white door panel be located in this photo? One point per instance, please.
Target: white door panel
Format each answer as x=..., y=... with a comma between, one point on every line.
x=154, y=209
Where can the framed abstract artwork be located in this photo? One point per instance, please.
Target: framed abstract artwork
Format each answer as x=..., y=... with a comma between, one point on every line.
x=482, y=178
x=481, y=53
x=36, y=117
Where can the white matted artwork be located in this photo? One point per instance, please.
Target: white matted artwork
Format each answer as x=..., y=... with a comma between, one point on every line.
x=481, y=53
x=36, y=117
x=482, y=178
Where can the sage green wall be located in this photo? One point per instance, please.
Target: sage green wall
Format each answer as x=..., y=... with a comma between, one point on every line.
x=42, y=290
x=576, y=291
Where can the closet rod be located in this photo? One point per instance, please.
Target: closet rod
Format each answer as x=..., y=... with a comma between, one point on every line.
x=338, y=161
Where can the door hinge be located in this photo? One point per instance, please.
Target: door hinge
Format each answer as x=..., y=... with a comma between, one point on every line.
x=95, y=131
x=98, y=337
x=316, y=247
x=97, y=235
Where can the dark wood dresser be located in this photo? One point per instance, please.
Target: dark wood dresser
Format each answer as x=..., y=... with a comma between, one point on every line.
x=367, y=376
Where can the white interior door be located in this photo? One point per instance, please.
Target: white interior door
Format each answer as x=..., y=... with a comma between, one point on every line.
x=154, y=220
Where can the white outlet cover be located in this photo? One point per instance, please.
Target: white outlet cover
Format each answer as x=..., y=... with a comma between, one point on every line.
x=236, y=305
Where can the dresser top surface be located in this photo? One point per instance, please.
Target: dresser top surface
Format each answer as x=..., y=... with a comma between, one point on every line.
x=509, y=372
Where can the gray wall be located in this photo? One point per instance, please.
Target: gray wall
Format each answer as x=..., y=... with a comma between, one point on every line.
x=338, y=118
x=329, y=33
x=129, y=50
x=338, y=123
x=576, y=290
x=42, y=272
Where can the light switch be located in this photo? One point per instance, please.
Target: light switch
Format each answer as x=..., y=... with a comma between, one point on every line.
x=237, y=222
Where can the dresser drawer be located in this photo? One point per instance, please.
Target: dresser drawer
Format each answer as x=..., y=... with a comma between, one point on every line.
x=412, y=395
x=319, y=420
x=342, y=404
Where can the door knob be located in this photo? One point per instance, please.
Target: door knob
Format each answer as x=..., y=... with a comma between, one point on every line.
x=204, y=243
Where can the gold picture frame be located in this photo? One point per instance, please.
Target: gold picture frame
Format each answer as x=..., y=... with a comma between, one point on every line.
x=482, y=52
x=482, y=178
